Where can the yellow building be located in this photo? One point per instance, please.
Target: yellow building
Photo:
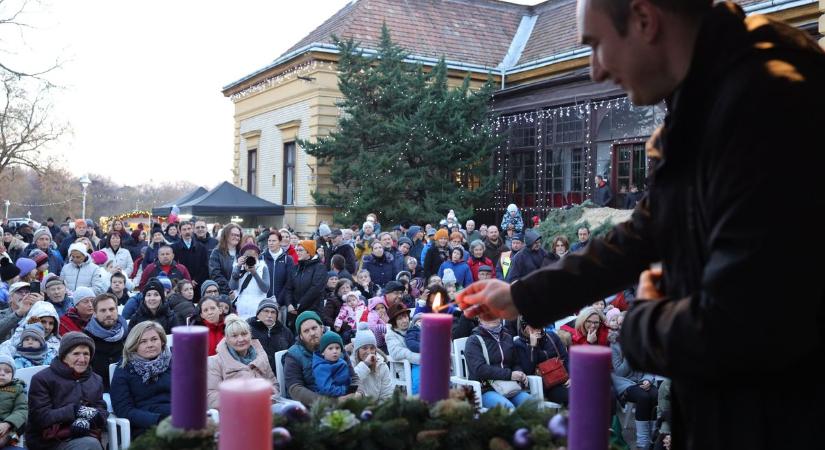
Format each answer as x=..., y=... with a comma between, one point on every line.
x=530, y=50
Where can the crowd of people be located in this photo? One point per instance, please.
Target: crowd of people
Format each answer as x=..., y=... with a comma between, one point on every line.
x=342, y=303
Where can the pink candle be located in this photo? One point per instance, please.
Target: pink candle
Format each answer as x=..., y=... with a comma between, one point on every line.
x=590, y=397
x=189, y=355
x=436, y=335
x=246, y=414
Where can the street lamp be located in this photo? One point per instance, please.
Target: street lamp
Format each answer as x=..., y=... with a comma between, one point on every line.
x=85, y=182
x=7, y=208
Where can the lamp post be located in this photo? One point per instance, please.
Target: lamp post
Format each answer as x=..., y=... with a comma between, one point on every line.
x=85, y=182
x=7, y=208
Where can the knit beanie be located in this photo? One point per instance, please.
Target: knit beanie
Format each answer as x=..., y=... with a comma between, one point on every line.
x=71, y=340
x=42, y=231
x=7, y=360
x=51, y=280
x=79, y=223
x=449, y=277
x=441, y=234
x=36, y=331
x=250, y=247
x=393, y=286
x=84, y=292
x=267, y=303
x=304, y=316
x=309, y=246
x=206, y=284
x=8, y=270
x=155, y=285
x=612, y=312
x=99, y=257
x=405, y=240
x=364, y=336
x=39, y=257
x=25, y=265
x=80, y=248
x=324, y=230
x=329, y=338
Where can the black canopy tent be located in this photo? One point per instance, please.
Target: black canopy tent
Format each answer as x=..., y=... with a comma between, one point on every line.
x=167, y=208
x=227, y=199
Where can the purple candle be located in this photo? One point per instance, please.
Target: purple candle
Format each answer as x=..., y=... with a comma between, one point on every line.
x=189, y=377
x=590, y=397
x=435, y=354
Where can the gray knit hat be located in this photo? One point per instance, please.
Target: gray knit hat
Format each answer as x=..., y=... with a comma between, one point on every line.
x=71, y=340
x=267, y=303
x=9, y=361
x=42, y=231
x=364, y=336
x=206, y=284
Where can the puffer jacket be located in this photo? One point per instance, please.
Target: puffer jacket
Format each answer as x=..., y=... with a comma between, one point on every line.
x=83, y=275
x=14, y=405
x=503, y=360
x=37, y=311
x=306, y=288
x=220, y=269
x=397, y=346
x=382, y=270
x=143, y=404
x=54, y=395
x=122, y=259
x=375, y=383
x=223, y=366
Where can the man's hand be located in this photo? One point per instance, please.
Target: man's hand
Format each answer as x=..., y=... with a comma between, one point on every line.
x=647, y=284
x=5, y=427
x=487, y=299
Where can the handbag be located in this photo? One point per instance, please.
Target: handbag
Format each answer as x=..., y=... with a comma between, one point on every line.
x=552, y=370
x=507, y=388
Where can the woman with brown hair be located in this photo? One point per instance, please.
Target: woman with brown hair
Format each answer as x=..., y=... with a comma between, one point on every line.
x=224, y=256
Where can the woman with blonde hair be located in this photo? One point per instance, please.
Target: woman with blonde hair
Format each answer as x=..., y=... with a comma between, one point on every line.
x=238, y=356
x=591, y=328
x=142, y=383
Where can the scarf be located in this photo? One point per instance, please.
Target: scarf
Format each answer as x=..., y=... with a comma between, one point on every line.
x=75, y=317
x=496, y=331
x=151, y=369
x=276, y=254
x=114, y=334
x=251, y=354
x=35, y=355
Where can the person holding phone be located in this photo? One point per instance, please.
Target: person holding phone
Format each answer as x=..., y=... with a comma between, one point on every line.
x=249, y=281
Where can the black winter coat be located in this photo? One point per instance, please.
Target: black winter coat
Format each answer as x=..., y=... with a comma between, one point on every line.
x=144, y=404
x=106, y=353
x=499, y=352
x=164, y=316
x=754, y=87
x=305, y=288
x=273, y=340
x=53, y=397
x=195, y=258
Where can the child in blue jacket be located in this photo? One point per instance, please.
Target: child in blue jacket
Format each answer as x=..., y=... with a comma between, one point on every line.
x=332, y=373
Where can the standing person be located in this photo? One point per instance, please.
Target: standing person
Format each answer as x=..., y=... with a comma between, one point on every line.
x=339, y=247
x=142, y=383
x=380, y=264
x=493, y=243
x=108, y=331
x=80, y=230
x=43, y=242
x=120, y=257
x=223, y=257
x=603, y=195
x=203, y=237
x=306, y=287
x=531, y=257
x=193, y=255
x=437, y=253
x=165, y=265
x=80, y=271
x=583, y=234
x=279, y=265
x=701, y=219
x=250, y=281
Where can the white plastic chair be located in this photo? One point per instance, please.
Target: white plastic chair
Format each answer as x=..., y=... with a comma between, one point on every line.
x=124, y=439
x=26, y=375
x=536, y=387
x=460, y=370
x=169, y=340
x=279, y=374
x=401, y=372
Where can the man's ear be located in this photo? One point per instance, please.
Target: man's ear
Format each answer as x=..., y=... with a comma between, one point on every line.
x=645, y=20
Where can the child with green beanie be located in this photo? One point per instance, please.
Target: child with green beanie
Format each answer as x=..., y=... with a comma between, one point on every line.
x=329, y=365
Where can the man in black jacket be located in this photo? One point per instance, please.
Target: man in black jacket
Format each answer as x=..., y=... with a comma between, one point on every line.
x=272, y=335
x=108, y=330
x=738, y=90
x=193, y=255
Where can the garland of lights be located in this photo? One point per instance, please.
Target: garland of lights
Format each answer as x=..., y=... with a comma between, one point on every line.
x=105, y=221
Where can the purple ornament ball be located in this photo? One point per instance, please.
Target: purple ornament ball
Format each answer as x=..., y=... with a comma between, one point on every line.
x=521, y=438
x=558, y=426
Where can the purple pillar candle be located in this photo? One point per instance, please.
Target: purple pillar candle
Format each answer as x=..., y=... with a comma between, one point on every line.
x=435, y=356
x=590, y=397
x=189, y=377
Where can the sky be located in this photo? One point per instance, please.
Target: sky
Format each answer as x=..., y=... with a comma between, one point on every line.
x=140, y=82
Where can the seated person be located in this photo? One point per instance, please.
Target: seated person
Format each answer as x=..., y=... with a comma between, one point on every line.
x=30, y=348
x=495, y=361
x=331, y=371
x=14, y=405
x=535, y=346
x=238, y=356
x=369, y=364
x=66, y=407
x=142, y=382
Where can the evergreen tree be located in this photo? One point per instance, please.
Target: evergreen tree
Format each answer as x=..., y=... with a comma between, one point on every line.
x=403, y=140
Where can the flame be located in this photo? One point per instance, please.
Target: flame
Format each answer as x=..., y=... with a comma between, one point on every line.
x=436, y=302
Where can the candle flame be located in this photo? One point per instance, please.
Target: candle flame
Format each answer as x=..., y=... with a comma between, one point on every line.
x=436, y=301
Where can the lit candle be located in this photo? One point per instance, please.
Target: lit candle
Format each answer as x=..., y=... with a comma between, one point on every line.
x=590, y=397
x=435, y=353
x=189, y=377
x=246, y=414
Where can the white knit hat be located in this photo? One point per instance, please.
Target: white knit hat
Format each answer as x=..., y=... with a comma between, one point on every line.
x=79, y=247
x=449, y=277
x=364, y=336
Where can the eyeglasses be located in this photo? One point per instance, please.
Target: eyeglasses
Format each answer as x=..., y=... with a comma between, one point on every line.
x=237, y=235
x=200, y=227
x=593, y=322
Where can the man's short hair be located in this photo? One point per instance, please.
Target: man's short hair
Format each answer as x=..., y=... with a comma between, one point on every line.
x=102, y=298
x=119, y=275
x=619, y=10
x=338, y=262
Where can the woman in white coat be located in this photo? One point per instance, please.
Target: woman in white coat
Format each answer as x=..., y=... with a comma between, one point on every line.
x=250, y=281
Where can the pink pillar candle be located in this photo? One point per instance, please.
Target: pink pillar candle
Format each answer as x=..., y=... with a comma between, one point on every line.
x=189, y=377
x=590, y=397
x=435, y=356
x=246, y=414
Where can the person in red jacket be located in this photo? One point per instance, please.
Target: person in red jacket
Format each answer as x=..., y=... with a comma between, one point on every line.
x=209, y=314
x=591, y=328
x=79, y=315
x=165, y=263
